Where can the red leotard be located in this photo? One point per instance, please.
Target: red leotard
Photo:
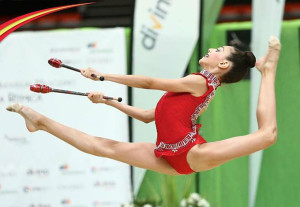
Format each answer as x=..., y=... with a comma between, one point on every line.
x=175, y=119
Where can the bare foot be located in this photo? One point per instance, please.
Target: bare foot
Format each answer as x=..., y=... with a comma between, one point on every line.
x=32, y=118
x=274, y=43
x=270, y=60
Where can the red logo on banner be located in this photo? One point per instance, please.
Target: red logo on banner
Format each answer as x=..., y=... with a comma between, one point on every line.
x=10, y=26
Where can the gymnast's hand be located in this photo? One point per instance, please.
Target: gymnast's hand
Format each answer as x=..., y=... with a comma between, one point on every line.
x=90, y=73
x=97, y=97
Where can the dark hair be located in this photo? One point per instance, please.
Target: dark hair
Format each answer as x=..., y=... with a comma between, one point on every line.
x=242, y=61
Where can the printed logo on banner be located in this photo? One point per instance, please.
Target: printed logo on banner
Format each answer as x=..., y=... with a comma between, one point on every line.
x=33, y=189
x=157, y=15
x=38, y=172
x=104, y=203
x=94, y=49
x=65, y=170
x=96, y=204
x=20, y=140
x=93, y=45
x=7, y=174
x=4, y=190
x=99, y=60
x=69, y=203
x=96, y=170
x=65, y=201
x=68, y=50
x=71, y=187
x=105, y=184
x=13, y=97
x=240, y=39
x=39, y=205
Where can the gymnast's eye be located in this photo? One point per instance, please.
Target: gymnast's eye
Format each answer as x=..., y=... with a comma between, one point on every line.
x=218, y=50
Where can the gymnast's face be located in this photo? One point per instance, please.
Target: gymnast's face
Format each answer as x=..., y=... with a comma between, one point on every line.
x=216, y=58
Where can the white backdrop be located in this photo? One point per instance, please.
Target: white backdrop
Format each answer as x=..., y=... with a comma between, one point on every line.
x=165, y=35
x=36, y=168
x=267, y=18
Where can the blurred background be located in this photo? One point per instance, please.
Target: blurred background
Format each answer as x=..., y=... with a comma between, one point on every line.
x=158, y=38
x=116, y=13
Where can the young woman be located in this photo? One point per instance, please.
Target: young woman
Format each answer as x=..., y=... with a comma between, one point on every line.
x=179, y=148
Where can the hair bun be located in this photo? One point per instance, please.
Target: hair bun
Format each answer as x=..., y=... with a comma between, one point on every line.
x=250, y=59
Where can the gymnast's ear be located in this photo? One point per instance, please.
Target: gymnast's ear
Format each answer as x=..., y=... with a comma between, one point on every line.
x=224, y=64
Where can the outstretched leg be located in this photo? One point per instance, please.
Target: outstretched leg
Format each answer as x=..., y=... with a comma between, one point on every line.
x=209, y=155
x=135, y=154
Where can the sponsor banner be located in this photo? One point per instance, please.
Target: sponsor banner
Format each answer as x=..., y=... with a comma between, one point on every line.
x=267, y=18
x=37, y=169
x=165, y=35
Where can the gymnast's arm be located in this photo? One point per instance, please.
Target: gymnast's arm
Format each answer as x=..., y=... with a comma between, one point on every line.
x=145, y=116
x=194, y=84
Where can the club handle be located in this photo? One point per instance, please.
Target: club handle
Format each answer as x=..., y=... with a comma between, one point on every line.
x=75, y=69
x=112, y=98
x=119, y=99
x=69, y=92
x=70, y=67
x=38, y=88
x=100, y=78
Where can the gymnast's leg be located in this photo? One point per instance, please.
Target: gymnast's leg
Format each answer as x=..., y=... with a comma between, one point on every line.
x=209, y=155
x=135, y=154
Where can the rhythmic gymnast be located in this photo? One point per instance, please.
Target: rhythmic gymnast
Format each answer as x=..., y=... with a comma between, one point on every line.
x=179, y=148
